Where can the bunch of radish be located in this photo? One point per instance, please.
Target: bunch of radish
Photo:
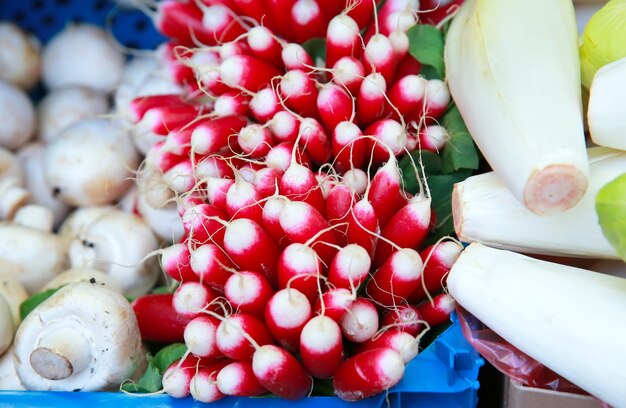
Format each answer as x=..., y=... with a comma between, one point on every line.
x=302, y=257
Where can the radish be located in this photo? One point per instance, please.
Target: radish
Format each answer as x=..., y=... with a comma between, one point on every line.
x=177, y=377
x=200, y=336
x=407, y=228
x=400, y=42
x=334, y=105
x=203, y=385
x=300, y=268
x=543, y=159
x=350, y=267
x=363, y=226
x=266, y=181
x=247, y=72
x=349, y=149
x=17, y=115
x=210, y=265
x=210, y=136
x=231, y=103
x=298, y=183
x=182, y=21
x=216, y=190
x=294, y=56
x=192, y=298
x=385, y=189
x=264, y=105
x=342, y=39
x=20, y=61
x=307, y=20
x=248, y=292
x=368, y=373
x=220, y=23
x=405, y=318
x=303, y=224
x=200, y=225
x=176, y=262
x=362, y=11
x=356, y=179
x=157, y=319
x=264, y=45
x=334, y=303
x=65, y=106
x=213, y=166
x=401, y=342
x=284, y=126
x=180, y=177
x=238, y=379
x=379, y=56
x=271, y=220
x=321, y=347
x=437, y=260
x=407, y=97
x=83, y=55
x=280, y=373
x=396, y=279
x=286, y=313
x=251, y=248
x=230, y=340
x=370, y=101
x=407, y=66
x=255, y=140
x=298, y=91
x=360, y=322
x=314, y=141
x=433, y=138
x=338, y=204
x=436, y=99
x=243, y=201
x=279, y=156
x=438, y=311
x=390, y=138
x=349, y=73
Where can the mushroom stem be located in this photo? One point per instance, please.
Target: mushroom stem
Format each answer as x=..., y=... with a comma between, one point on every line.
x=60, y=354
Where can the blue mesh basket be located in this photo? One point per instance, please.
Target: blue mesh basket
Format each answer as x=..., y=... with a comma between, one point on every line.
x=44, y=18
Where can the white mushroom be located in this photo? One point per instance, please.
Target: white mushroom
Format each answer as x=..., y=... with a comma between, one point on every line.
x=12, y=194
x=84, y=337
x=31, y=157
x=13, y=292
x=91, y=163
x=6, y=326
x=83, y=55
x=115, y=242
x=9, y=381
x=17, y=116
x=29, y=244
x=63, y=107
x=82, y=274
x=20, y=63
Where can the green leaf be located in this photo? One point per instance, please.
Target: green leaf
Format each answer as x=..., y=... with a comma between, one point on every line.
x=611, y=209
x=441, y=192
x=460, y=151
x=426, y=46
x=168, y=354
x=35, y=300
x=316, y=48
x=432, y=165
x=150, y=381
x=429, y=72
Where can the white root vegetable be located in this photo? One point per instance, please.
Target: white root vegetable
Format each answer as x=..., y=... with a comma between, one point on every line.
x=37, y=253
x=31, y=157
x=12, y=194
x=9, y=381
x=607, y=106
x=81, y=275
x=63, y=107
x=568, y=319
x=83, y=55
x=485, y=211
x=84, y=337
x=115, y=242
x=7, y=328
x=520, y=96
x=20, y=62
x=17, y=116
x=14, y=294
x=91, y=163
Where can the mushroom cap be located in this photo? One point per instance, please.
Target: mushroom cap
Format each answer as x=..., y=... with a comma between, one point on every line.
x=105, y=334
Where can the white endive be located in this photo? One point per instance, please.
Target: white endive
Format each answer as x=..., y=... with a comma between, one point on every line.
x=569, y=319
x=606, y=113
x=485, y=211
x=514, y=72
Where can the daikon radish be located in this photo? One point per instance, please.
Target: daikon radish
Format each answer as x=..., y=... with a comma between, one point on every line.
x=514, y=72
x=485, y=211
x=607, y=106
x=567, y=318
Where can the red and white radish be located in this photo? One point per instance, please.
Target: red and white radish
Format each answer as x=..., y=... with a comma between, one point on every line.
x=286, y=313
x=280, y=373
x=396, y=279
x=233, y=334
x=438, y=311
x=321, y=346
x=360, y=322
x=238, y=379
x=248, y=292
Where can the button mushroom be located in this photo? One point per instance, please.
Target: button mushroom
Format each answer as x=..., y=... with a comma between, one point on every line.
x=12, y=294
x=84, y=337
x=115, y=242
x=12, y=194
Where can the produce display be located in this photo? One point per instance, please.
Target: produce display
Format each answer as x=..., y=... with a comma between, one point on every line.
x=269, y=203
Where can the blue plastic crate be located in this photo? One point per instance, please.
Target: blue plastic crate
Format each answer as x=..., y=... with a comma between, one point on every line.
x=444, y=375
x=44, y=18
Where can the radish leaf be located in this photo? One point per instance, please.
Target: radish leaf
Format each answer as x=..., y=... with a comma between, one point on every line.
x=611, y=209
x=316, y=48
x=460, y=151
x=426, y=46
x=168, y=354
